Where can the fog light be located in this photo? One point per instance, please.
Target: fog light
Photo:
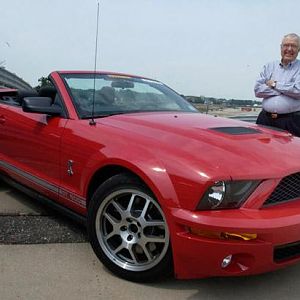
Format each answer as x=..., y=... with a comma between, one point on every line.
x=226, y=261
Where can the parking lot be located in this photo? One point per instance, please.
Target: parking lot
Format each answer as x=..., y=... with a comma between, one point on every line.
x=44, y=255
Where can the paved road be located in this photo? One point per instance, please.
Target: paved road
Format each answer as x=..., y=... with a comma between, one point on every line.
x=45, y=256
x=24, y=221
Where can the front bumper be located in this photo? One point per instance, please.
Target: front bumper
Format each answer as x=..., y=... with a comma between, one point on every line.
x=196, y=256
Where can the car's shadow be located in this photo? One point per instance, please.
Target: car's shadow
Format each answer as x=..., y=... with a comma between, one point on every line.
x=281, y=284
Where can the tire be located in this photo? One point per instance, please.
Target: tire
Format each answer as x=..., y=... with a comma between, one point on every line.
x=128, y=230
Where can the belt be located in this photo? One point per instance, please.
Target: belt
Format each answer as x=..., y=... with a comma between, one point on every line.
x=277, y=116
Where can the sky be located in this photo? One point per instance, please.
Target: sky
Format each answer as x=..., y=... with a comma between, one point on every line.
x=207, y=48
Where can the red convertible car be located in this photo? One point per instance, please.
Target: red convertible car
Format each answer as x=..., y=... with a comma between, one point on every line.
x=162, y=188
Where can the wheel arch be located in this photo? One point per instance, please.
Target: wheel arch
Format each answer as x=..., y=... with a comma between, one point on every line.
x=160, y=185
x=101, y=175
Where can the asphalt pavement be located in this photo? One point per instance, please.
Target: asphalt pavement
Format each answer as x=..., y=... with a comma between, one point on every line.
x=44, y=255
x=25, y=221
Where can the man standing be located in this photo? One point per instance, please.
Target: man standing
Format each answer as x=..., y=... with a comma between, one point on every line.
x=279, y=86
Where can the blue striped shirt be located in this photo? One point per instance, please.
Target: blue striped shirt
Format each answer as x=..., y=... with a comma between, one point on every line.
x=285, y=97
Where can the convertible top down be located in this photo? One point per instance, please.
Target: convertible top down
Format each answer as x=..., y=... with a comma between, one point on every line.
x=162, y=188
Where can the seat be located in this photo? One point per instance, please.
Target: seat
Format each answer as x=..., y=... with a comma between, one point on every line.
x=106, y=95
x=48, y=91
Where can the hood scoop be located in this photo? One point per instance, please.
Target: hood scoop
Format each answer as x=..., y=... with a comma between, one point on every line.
x=236, y=130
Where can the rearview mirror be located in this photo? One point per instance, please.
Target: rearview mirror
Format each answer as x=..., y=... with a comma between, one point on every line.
x=123, y=84
x=41, y=105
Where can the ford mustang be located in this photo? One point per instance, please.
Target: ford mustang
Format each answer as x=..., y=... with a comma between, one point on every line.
x=162, y=188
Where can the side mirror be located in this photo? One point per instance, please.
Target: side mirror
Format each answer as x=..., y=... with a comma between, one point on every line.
x=41, y=105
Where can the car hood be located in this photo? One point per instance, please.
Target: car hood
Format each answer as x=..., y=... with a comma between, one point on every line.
x=213, y=145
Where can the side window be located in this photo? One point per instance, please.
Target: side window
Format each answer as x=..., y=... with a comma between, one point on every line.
x=57, y=101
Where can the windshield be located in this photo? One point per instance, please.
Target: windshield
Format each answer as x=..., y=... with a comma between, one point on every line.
x=117, y=94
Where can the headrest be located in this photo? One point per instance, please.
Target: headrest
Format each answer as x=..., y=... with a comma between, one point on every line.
x=108, y=93
x=48, y=91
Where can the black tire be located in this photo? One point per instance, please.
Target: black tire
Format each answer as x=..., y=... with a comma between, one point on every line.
x=128, y=230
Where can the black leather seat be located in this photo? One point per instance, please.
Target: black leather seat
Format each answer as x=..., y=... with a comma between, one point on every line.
x=106, y=95
x=48, y=91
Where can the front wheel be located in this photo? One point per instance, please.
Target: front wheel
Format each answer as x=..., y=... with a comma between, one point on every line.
x=128, y=230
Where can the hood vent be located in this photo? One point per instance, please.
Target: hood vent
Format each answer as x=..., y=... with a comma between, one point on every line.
x=236, y=130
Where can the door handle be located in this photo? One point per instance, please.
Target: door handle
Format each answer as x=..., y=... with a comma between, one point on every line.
x=2, y=119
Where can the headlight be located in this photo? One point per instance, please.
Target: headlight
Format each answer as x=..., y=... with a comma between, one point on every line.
x=227, y=194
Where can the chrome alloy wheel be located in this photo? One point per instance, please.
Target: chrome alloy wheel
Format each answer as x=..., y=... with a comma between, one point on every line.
x=132, y=230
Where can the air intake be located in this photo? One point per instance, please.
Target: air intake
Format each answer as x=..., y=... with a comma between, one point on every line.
x=288, y=189
x=236, y=130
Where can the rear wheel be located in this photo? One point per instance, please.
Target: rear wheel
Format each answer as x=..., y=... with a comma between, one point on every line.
x=128, y=230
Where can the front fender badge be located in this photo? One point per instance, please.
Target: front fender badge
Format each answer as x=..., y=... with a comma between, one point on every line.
x=69, y=167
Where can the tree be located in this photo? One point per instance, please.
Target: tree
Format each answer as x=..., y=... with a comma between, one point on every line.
x=43, y=81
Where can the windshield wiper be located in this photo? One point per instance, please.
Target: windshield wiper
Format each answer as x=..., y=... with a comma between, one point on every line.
x=104, y=115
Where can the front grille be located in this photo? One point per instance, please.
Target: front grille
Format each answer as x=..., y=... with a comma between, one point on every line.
x=285, y=252
x=287, y=189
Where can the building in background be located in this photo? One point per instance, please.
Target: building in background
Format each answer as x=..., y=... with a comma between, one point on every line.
x=11, y=80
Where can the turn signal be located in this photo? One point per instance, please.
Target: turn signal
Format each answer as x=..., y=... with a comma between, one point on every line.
x=239, y=236
x=224, y=235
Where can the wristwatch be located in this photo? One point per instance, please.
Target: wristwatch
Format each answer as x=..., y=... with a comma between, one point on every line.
x=273, y=85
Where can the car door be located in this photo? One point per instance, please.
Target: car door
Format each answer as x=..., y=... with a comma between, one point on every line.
x=30, y=147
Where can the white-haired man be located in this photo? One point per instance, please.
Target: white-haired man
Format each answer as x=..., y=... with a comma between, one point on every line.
x=279, y=86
